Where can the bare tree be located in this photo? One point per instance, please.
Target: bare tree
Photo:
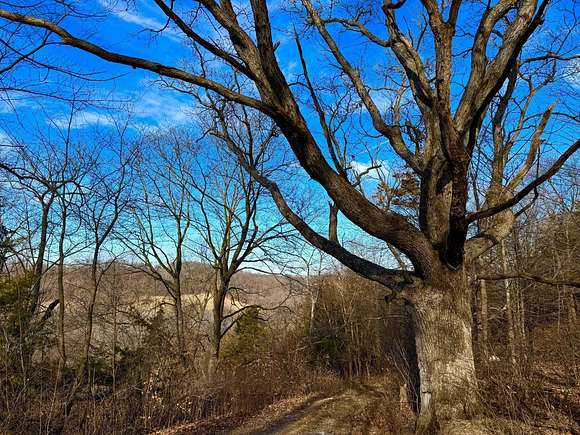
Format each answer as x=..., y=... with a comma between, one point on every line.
x=107, y=190
x=48, y=170
x=162, y=212
x=76, y=163
x=29, y=173
x=443, y=120
x=234, y=229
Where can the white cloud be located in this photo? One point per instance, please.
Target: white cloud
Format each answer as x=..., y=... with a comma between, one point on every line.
x=572, y=73
x=290, y=70
x=383, y=100
x=363, y=167
x=133, y=17
x=7, y=144
x=10, y=101
x=139, y=20
x=149, y=109
x=5, y=139
x=6, y=107
x=82, y=119
x=162, y=108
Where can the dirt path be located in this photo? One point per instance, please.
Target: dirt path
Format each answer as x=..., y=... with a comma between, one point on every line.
x=361, y=409
x=319, y=414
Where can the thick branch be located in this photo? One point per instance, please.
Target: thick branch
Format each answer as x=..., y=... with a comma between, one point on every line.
x=391, y=278
x=533, y=151
x=485, y=81
x=135, y=62
x=194, y=36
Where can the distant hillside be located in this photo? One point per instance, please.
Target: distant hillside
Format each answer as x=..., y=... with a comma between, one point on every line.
x=196, y=278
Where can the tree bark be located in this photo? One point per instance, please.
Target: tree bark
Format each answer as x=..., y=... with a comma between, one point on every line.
x=220, y=292
x=179, y=321
x=39, y=265
x=508, y=307
x=483, y=314
x=215, y=341
x=333, y=222
x=441, y=315
x=61, y=306
x=313, y=301
x=179, y=327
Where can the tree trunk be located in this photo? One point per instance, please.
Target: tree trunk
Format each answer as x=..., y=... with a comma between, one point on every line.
x=39, y=265
x=179, y=323
x=313, y=300
x=220, y=291
x=483, y=314
x=61, y=306
x=33, y=299
x=482, y=311
x=215, y=341
x=508, y=307
x=84, y=363
x=333, y=223
x=441, y=315
x=519, y=242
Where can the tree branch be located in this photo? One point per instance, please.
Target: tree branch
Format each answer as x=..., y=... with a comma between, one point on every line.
x=530, y=277
x=526, y=190
x=135, y=62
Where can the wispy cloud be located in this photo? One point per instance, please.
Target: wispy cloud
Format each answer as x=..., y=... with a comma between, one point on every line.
x=5, y=139
x=145, y=22
x=290, y=70
x=82, y=119
x=6, y=107
x=151, y=108
x=10, y=101
x=365, y=168
x=572, y=73
x=7, y=144
x=383, y=100
x=139, y=20
x=158, y=107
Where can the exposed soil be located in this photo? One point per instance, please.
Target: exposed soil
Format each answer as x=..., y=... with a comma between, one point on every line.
x=356, y=410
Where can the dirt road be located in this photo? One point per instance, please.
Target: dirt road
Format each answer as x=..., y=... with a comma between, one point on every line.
x=360, y=409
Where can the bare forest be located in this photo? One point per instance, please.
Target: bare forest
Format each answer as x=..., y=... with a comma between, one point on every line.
x=302, y=217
